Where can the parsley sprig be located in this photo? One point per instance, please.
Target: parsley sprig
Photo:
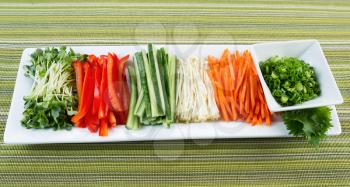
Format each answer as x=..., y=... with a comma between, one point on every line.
x=310, y=123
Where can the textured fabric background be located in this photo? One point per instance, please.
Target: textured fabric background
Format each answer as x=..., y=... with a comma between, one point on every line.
x=267, y=162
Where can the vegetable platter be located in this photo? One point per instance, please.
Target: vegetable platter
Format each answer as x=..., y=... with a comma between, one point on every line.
x=89, y=94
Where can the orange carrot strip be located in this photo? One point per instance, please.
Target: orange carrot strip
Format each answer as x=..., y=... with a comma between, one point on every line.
x=240, y=76
x=259, y=121
x=242, y=96
x=252, y=90
x=247, y=97
x=257, y=109
x=223, y=108
x=268, y=116
x=254, y=120
x=250, y=117
x=233, y=87
x=262, y=110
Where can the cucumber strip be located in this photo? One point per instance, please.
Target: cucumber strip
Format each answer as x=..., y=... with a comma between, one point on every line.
x=149, y=121
x=140, y=105
x=138, y=76
x=172, y=85
x=154, y=121
x=132, y=120
x=143, y=82
x=150, y=86
x=161, y=58
x=152, y=54
x=140, y=101
x=140, y=92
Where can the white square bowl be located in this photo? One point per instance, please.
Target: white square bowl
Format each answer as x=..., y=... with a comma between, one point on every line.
x=310, y=51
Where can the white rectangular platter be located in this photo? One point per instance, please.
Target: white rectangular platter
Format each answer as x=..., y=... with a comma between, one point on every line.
x=15, y=133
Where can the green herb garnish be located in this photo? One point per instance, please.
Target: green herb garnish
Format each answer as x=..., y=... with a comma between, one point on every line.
x=51, y=101
x=310, y=123
x=290, y=80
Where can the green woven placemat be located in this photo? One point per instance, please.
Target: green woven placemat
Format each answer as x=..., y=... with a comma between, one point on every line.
x=267, y=162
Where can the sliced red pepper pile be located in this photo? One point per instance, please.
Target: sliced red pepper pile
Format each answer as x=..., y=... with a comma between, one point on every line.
x=103, y=93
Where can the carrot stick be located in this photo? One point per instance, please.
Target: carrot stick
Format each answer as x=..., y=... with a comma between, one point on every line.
x=240, y=76
x=226, y=105
x=217, y=100
x=262, y=110
x=223, y=108
x=242, y=97
x=247, y=103
x=257, y=109
x=238, y=93
x=254, y=120
x=259, y=121
x=250, y=117
x=268, y=116
x=252, y=90
x=226, y=82
x=233, y=86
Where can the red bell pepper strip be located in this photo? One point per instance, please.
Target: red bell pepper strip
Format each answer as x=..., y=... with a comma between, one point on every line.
x=92, y=59
x=124, y=59
x=125, y=88
x=92, y=122
x=102, y=112
x=117, y=119
x=91, y=119
x=79, y=77
x=86, y=95
x=120, y=67
x=98, y=77
x=80, y=124
x=125, y=117
x=126, y=94
x=102, y=60
x=103, y=127
x=114, y=85
x=112, y=119
x=115, y=57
